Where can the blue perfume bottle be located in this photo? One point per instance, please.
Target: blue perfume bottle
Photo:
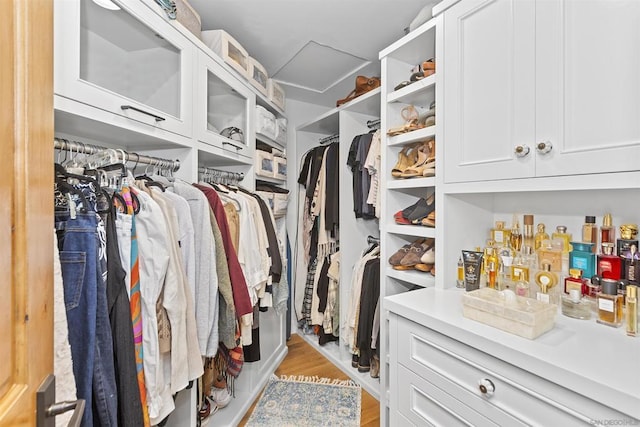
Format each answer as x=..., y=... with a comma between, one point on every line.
x=583, y=258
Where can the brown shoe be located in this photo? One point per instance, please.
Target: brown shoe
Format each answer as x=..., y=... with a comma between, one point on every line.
x=415, y=253
x=375, y=366
x=402, y=252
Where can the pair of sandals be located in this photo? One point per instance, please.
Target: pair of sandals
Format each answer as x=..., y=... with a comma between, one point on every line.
x=414, y=120
x=416, y=160
x=419, y=72
x=423, y=212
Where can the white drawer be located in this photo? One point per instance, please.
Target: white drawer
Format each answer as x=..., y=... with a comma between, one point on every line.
x=456, y=369
x=423, y=403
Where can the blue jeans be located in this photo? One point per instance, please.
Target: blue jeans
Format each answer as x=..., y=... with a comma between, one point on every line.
x=91, y=351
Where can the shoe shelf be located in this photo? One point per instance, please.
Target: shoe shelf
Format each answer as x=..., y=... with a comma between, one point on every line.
x=399, y=184
x=411, y=230
x=412, y=277
x=413, y=136
x=416, y=92
x=269, y=141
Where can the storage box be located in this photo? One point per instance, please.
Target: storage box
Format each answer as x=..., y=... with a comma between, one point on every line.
x=258, y=76
x=187, y=16
x=275, y=93
x=525, y=317
x=280, y=168
x=281, y=131
x=228, y=49
x=265, y=122
x=264, y=164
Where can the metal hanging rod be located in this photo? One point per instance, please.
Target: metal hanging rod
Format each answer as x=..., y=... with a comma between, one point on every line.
x=373, y=124
x=330, y=139
x=372, y=239
x=81, y=147
x=217, y=173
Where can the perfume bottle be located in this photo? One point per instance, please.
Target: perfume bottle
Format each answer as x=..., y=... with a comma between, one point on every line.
x=607, y=232
x=546, y=281
x=528, y=236
x=609, y=304
x=522, y=286
x=561, y=233
x=506, y=258
x=551, y=253
x=583, y=258
x=540, y=236
x=499, y=234
x=521, y=264
x=631, y=261
x=573, y=305
x=460, y=281
x=573, y=281
x=631, y=311
x=516, y=235
x=591, y=289
x=492, y=269
x=609, y=265
x=485, y=258
x=590, y=231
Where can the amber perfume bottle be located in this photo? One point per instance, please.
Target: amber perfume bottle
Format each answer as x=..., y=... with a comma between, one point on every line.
x=551, y=253
x=609, y=304
x=609, y=265
x=460, y=281
x=492, y=269
x=528, y=236
x=631, y=311
x=590, y=231
x=499, y=234
x=516, y=236
x=540, y=236
x=561, y=233
x=607, y=231
x=546, y=281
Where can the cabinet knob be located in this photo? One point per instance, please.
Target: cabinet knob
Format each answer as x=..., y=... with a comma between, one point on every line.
x=521, y=150
x=544, y=147
x=486, y=387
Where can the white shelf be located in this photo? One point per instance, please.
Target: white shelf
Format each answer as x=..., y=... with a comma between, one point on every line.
x=411, y=47
x=210, y=155
x=326, y=124
x=401, y=183
x=270, y=179
x=269, y=141
x=419, y=278
x=413, y=136
x=411, y=230
x=419, y=91
x=369, y=103
x=332, y=352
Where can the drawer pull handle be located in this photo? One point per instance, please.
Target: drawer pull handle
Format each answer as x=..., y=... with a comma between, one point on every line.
x=233, y=145
x=544, y=147
x=486, y=387
x=521, y=150
x=155, y=117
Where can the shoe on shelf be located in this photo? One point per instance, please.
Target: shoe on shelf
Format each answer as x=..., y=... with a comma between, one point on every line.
x=425, y=161
x=364, y=368
x=410, y=116
x=354, y=360
x=406, y=157
x=430, y=220
x=414, y=255
x=397, y=257
x=426, y=268
x=375, y=366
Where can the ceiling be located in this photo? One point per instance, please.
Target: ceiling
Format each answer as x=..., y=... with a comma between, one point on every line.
x=313, y=48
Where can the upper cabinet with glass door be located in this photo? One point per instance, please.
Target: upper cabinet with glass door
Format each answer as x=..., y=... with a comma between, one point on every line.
x=120, y=61
x=223, y=107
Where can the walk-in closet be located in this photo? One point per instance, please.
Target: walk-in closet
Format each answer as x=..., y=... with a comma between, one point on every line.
x=222, y=213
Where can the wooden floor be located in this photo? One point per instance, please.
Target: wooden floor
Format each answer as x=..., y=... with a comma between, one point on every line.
x=303, y=359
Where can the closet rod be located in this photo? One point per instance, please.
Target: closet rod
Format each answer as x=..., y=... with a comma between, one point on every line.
x=373, y=124
x=237, y=176
x=330, y=139
x=81, y=147
x=371, y=239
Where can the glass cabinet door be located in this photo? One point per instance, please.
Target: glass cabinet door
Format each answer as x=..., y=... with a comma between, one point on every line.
x=223, y=110
x=127, y=61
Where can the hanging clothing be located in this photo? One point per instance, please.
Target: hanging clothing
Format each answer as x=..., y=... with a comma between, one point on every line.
x=373, y=165
x=361, y=181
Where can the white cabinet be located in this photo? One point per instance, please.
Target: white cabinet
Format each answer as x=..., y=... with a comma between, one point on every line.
x=541, y=88
x=223, y=102
x=127, y=62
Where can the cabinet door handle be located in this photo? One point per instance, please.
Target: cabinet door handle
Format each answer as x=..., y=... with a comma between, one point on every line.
x=486, y=387
x=544, y=147
x=131, y=107
x=521, y=150
x=237, y=147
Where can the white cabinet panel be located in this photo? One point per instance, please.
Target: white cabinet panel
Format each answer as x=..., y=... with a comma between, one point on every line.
x=126, y=61
x=489, y=89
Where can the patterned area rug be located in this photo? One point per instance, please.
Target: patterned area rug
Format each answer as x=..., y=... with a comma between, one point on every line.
x=307, y=401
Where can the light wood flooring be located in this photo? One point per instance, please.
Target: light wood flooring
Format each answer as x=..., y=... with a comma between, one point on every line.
x=302, y=359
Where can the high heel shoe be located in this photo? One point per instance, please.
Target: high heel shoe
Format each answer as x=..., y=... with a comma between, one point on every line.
x=424, y=163
x=410, y=116
x=404, y=161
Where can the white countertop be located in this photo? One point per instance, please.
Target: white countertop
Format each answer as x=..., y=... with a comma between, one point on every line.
x=595, y=360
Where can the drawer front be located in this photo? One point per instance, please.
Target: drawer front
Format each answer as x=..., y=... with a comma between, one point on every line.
x=423, y=403
x=439, y=360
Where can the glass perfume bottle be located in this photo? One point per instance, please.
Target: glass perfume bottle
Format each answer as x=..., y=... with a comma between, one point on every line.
x=522, y=286
x=607, y=231
x=546, y=281
x=561, y=233
x=631, y=311
x=573, y=281
x=631, y=261
x=528, y=236
x=506, y=257
x=492, y=269
x=609, y=304
x=540, y=236
x=590, y=231
x=551, y=253
x=609, y=265
x=499, y=234
x=590, y=290
x=573, y=305
x=521, y=265
x=460, y=281
x=516, y=236
x=583, y=258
